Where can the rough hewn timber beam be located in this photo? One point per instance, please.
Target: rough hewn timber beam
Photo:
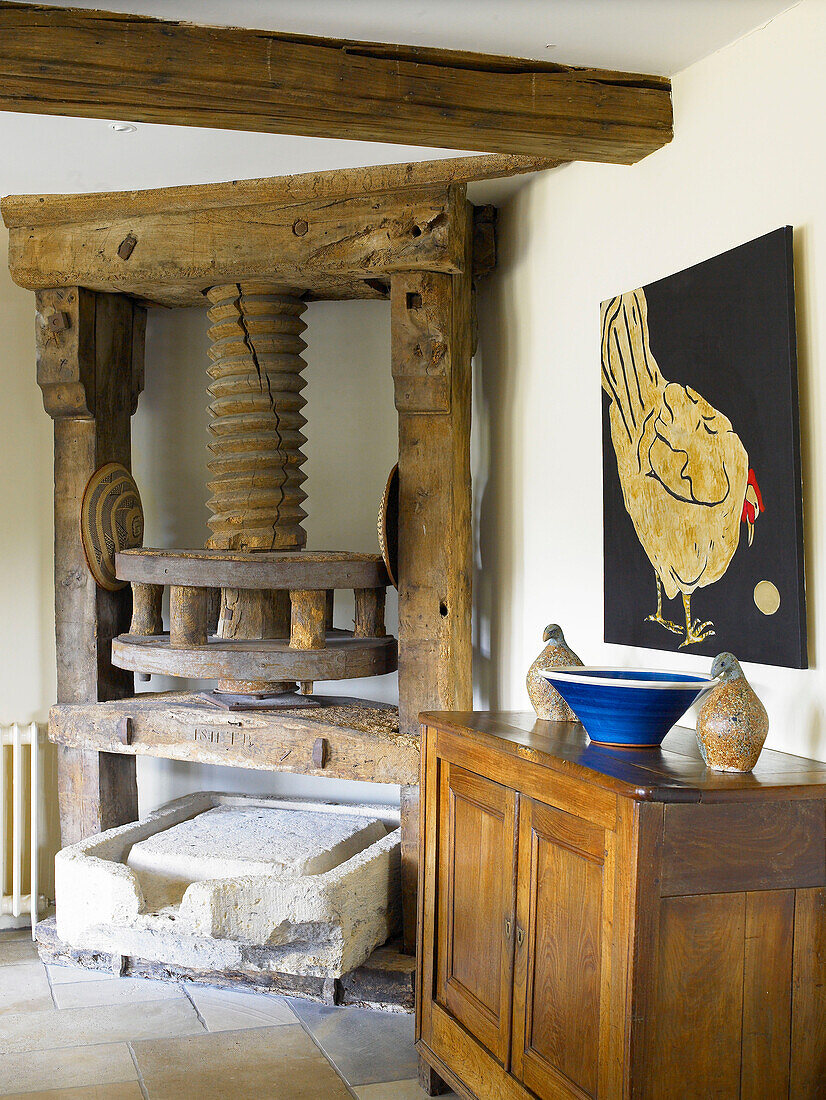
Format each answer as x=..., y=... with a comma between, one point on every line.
x=336, y=183
x=105, y=65
x=305, y=244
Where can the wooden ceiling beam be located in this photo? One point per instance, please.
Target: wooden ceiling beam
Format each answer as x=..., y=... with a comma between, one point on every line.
x=105, y=65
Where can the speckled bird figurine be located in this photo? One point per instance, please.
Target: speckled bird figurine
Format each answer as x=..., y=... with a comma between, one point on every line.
x=545, y=699
x=732, y=723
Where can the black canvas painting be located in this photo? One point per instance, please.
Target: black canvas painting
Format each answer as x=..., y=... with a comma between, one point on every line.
x=703, y=514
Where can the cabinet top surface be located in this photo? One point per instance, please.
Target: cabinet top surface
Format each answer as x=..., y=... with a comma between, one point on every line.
x=673, y=773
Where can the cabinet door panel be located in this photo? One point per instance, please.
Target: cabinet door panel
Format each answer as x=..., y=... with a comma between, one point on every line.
x=698, y=1015
x=809, y=996
x=558, y=979
x=475, y=921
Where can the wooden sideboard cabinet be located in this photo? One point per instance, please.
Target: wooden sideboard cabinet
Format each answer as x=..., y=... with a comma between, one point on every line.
x=605, y=924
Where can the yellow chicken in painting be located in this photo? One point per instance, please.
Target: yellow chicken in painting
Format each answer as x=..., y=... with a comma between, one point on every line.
x=684, y=472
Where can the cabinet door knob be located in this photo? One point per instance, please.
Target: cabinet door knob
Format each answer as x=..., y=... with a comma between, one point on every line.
x=520, y=937
x=508, y=927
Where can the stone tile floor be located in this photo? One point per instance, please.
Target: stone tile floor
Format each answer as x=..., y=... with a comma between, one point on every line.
x=71, y=1034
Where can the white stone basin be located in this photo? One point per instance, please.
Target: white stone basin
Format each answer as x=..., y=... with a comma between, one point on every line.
x=210, y=880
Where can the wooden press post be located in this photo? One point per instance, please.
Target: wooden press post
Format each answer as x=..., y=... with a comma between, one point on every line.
x=90, y=369
x=432, y=338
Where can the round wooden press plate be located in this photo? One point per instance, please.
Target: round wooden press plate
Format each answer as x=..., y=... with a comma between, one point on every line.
x=111, y=519
x=388, y=525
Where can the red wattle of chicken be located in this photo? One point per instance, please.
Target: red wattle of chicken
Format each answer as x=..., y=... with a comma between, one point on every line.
x=750, y=513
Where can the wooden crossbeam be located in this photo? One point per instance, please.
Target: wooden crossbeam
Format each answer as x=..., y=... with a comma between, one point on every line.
x=335, y=183
x=340, y=248
x=105, y=65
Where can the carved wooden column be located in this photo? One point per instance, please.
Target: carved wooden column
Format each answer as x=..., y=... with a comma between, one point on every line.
x=90, y=368
x=431, y=356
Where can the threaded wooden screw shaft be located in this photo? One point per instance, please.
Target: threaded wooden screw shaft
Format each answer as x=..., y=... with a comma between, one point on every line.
x=256, y=485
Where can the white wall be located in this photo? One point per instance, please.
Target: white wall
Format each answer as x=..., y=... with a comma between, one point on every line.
x=749, y=155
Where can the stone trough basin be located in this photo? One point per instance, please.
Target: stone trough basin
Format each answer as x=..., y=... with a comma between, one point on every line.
x=217, y=882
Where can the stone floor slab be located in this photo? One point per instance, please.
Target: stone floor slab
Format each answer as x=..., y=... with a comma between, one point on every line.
x=24, y=987
x=64, y=975
x=366, y=1047
x=16, y=948
x=280, y=1062
x=127, y=1090
x=397, y=1090
x=228, y=1010
x=77, y=1067
x=26, y=1031
x=113, y=992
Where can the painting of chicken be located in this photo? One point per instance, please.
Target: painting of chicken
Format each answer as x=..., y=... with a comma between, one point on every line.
x=701, y=458
x=684, y=471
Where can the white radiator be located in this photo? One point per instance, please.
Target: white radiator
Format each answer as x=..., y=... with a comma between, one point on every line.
x=20, y=801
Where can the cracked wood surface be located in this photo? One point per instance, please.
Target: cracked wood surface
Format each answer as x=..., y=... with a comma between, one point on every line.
x=337, y=183
x=106, y=65
x=363, y=738
x=327, y=247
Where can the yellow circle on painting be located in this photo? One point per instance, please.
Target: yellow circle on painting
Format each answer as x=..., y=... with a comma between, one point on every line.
x=766, y=597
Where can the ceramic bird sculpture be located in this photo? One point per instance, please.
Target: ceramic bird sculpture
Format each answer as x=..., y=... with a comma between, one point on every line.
x=545, y=699
x=732, y=723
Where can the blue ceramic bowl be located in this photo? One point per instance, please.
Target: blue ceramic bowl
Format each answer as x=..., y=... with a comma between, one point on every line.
x=627, y=707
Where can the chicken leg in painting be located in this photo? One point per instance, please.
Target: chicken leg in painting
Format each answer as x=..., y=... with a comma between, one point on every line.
x=684, y=472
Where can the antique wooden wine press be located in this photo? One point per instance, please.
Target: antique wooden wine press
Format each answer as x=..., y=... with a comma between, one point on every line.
x=253, y=610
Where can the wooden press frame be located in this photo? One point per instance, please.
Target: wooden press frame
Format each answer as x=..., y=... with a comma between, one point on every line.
x=96, y=262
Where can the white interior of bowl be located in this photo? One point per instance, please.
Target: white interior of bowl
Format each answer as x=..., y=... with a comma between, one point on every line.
x=579, y=675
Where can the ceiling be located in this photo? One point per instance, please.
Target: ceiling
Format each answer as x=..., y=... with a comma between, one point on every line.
x=655, y=36
x=50, y=154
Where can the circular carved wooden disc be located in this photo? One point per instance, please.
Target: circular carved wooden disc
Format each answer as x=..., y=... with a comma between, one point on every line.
x=111, y=519
x=388, y=525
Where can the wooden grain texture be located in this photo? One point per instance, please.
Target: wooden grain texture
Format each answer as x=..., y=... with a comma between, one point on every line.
x=429, y=1080
x=146, y=609
x=363, y=237
x=557, y=1044
x=808, y=1070
x=369, y=613
x=187, y=616
x=409, y=801
x=475, y=942
x=699, y=997
x=256, y=477
x=103, y=65
x=279, y=569
x=620, y=913
x=20, y=211
x=431, y=330
x=636, y=995
x=580, y=799
x=425, y=898
x=307, y=624
x=721, y=849
x=767, y=984
x=342, y=658
x=640, y=1014
x=89, y=369
x=674, y=773
x=363, y=738
x=430, y=335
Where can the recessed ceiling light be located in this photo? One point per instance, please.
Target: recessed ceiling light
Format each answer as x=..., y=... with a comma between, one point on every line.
x=123, y=127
